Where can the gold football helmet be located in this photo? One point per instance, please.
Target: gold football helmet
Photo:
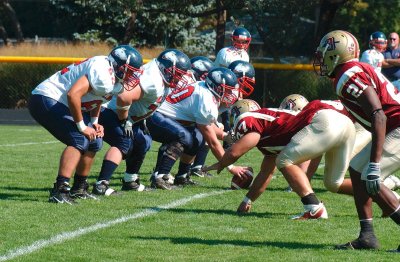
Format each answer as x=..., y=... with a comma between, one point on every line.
x=294, y=102
x=335, y=48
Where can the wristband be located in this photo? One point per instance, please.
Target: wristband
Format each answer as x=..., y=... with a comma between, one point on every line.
x=94, y=120
x=229, y=167
x=81, y=126
x=247, y=200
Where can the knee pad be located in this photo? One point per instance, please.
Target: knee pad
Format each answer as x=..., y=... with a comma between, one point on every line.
x=174, y=150
x=282, y=161
x=95, y=145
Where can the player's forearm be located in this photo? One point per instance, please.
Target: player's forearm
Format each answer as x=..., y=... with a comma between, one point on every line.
x=378, y=130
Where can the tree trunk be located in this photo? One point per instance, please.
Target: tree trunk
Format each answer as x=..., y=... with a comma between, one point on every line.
x=3, y=34
x=325, y=14
x=9, y=10
x=130, y=28
x=221, y=20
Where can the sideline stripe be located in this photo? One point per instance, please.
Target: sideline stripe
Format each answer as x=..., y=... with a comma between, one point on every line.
x=29, y=143
x=37, y=245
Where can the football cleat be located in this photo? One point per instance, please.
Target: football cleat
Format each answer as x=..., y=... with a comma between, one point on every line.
x=360, y=243
x=103, y=188
x=61, y=194
x=313, y=212
x=184, y=180
x=395, y=250
x=133, y=185
x=196, y=171
x=165, y=182
x=80, y=190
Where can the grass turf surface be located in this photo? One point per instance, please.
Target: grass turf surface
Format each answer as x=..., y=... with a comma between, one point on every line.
x=194, y=223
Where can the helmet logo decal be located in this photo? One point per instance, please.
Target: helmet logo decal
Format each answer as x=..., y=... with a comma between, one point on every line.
x=171, y=56
x=217, y=75
x=240, y=68
x=200, y=65
x=120, y=53
x=330, y=43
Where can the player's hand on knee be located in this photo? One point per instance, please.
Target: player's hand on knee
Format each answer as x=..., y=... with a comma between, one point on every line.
x=372, y=177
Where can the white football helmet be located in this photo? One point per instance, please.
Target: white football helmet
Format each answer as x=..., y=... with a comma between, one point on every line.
x=336, y=47
x=243, y=106
x=294, y=102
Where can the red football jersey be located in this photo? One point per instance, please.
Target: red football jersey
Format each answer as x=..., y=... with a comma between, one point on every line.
x=277, y=127
x=353, y=78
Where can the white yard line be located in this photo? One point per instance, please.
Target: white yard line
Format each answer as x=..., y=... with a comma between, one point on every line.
x=28, y=144
x=40, y=244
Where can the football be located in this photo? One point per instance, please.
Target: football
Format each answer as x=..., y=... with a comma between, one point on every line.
x=244, y=182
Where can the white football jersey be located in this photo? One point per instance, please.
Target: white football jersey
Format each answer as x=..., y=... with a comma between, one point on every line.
x=374, y=58
x=101, y=78
x=227, y=55
x=194, y=104
x=154, y=93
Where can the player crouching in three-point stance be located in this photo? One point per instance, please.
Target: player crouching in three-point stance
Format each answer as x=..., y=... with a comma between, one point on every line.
x=374, y=103
x=287, y=139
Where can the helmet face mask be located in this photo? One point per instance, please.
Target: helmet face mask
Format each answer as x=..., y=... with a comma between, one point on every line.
x=127, y=63
x=241, y=38
x=173, y=65
x=245, y=74
x=222, y=82
x=336, y=47
x=378, y=41
x=294, y=102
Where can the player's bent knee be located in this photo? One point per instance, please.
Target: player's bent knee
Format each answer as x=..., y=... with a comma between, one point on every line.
x=283, y=161
x=95, y=145
x=332, y=186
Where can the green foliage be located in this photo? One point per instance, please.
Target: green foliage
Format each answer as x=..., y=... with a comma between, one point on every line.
x=365, y=17
x=18, y=81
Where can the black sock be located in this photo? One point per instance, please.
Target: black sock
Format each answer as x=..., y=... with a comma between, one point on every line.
x=310, y=199
x=366, y=227
x=166, y=165
x=107, y=169
x=183, y=168
x=201, y=156
x=61, y=180
x=395, y=216
x=79, y=179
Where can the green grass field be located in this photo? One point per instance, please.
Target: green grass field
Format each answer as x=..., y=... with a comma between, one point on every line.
x=191, y=224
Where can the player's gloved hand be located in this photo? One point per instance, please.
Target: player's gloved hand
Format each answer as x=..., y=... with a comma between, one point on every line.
x=127, y=126
x=372, y=177
x=229, y=138
x=144, y=128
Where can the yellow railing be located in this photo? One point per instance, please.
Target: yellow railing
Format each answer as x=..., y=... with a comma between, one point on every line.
x=69, y=60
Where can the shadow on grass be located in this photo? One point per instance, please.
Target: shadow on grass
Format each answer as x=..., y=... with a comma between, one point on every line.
x=18, y=197
x=219, y=212
x=215, y=242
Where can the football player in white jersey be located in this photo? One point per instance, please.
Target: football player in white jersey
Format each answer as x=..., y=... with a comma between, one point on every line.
x=373, y=101
x=241, y=39
x=123, y=118
x=68, y=104
x=188, y=116
x=374, y=56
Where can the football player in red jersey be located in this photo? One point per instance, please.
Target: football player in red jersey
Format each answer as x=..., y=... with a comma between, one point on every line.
x=374, y=103
x=286, y=140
